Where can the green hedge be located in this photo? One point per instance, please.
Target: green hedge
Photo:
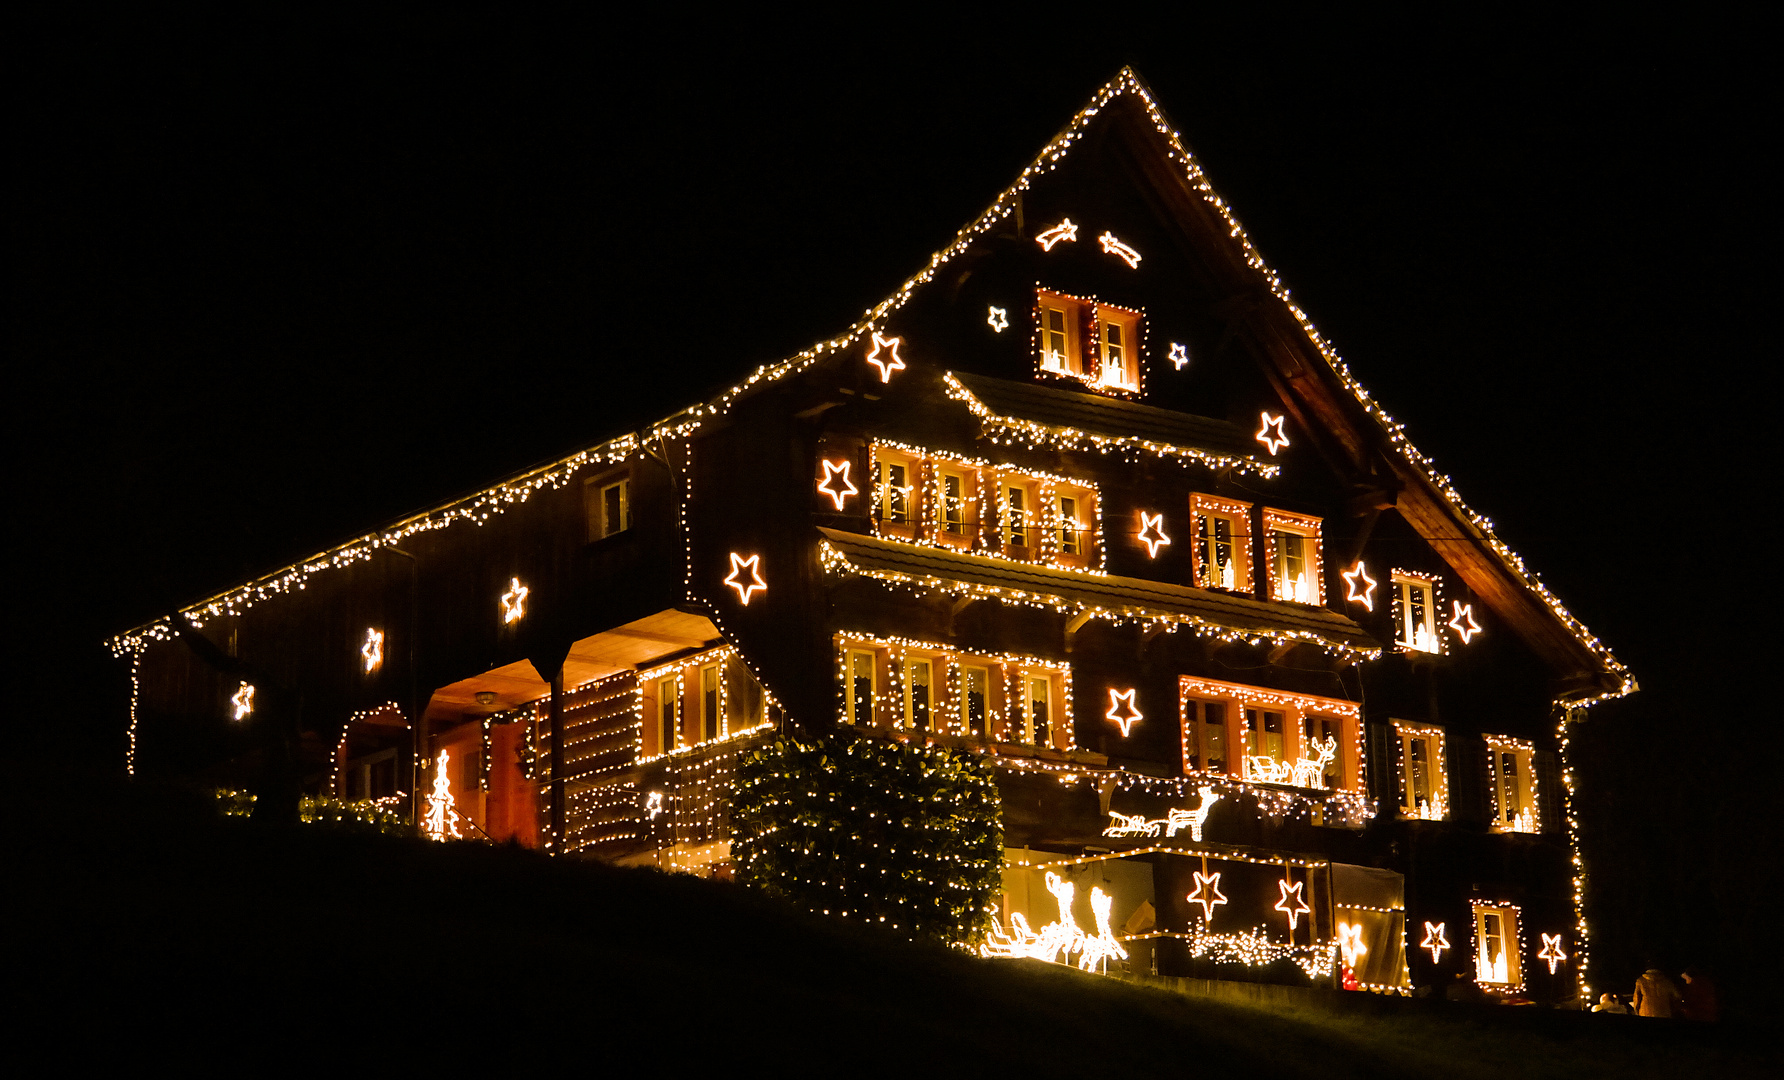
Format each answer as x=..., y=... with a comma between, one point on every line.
x=905, y=837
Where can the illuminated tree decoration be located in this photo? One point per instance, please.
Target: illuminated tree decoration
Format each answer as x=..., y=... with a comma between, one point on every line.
x=243, y=700
x=836, y=482
x=1120, y=250
x=1435, y=941
x=1291, y=903
x=746, y=589
x=653, y=805
x=999, y=319
x=1350, y=943
x=441, y=820
x=1359, y=586
x=1551, y=951
x=1064, y=231
x=514, y=601
x=1152, y=532
x=1272, y=441
x=1117, y=700
x=1179, y=355
x=1463, y=623
x=1207, y=893
x=372, y=652
x=889, y=363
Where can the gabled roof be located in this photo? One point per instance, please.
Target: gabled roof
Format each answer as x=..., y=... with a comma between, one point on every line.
x=1316, y=384
x=1107, y=596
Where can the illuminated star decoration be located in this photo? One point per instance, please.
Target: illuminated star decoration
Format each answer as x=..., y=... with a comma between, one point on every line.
x=746, y=589
x=998, y=320
x=1207, y=894
x=1115, y=247
x=835, y=471
x=1291, y=903
x=1276, y=441
x=1118, y=698
x=1359, y=586
x=373, y=649
x=514, y=601
x=1350, y=943
x=1434, y=940
x=243, y=700
x=1154, y=524
x=653, y=805
x=887, y=366
x=1179, y=355
x=1463, y=624
x=1065, y=231
x=1551, y=951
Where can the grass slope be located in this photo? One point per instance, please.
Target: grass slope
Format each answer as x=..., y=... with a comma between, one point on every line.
x=146, y=926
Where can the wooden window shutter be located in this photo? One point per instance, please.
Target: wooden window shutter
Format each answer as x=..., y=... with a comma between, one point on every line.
x=1470, y=802
x=1549, y=793
x=1384, y=772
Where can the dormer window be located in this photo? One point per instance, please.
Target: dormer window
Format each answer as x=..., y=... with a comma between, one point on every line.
x=1295, y=558
x=1415, y=612
x=1120, y=332
x=1078, y=337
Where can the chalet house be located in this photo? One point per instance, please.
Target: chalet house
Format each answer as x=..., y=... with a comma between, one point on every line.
x=1089, y=495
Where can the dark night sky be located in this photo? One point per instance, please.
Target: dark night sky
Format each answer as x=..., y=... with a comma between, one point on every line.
x=283, y=281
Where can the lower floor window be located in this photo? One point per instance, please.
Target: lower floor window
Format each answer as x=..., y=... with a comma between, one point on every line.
x=933, y=687
x=1512, y=780
x=1496, y=945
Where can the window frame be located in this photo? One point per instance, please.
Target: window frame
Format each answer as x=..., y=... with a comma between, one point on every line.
x=1211, y=509
x=1284, y=523
x=1236, y=699
x=1523, y=752
x=1437, y=806
x=1086, y=355
x=595, y=504
x=1005, y=689
x=1401, y=582
x=1511, y=936
x=1132, y=324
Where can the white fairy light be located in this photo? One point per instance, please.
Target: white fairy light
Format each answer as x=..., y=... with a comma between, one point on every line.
x=1552, y=951
x=1463, y=621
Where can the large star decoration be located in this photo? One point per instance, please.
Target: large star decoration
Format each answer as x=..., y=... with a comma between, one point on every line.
x=1434, y=940
x=1065, y=231
x=745, y=589
x=1551, y=951
x=998, y=320
x=1359, y=586
x=1120, y=250
x=1274, y=441
x=1291, y=903
x=892, y=363
x=514, y=601
x=1153, y=524
x=1117, y=699
x=1207, y=894
x=243, y=700
x=1463, y=623
x=372, y=652
x=1179, y=355
x=836, y=482
x=1350, y=943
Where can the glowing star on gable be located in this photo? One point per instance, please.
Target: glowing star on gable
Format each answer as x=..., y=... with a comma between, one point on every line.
x=1118, y=698
x=653, y=805
x=1291, y=903
x=1434, y=940
x=746, y=589
x=1207, y=893
x=891, y=363
x=514, y=601
x=1359, y=586
x=1276, y=441
x=999, y=319
x=243, y=700
x=1155, y=525
x=1179, y=355
x=1350, y=943
x=1551, y=951
x=372, y=652
x=1120, y=250
x=441, y=820
x=835, y=472
x=1065, y=231
x=1463, y=623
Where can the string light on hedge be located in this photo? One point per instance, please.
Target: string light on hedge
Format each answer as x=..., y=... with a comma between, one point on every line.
x=1122, y=710
x=1152, y=532
x=889, y=362
x=372, y=652
x=1112, y=246
x=1271, y=434
x=998, y=319
x=836, y=482
x=1434, y=940
x=1463, y=621
x=755, y=584
x=243, y=700
x=514, y=601
x=1064, y=232
x=1359, y=586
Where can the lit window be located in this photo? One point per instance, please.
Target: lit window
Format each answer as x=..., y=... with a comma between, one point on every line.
x=1270, y=736
x=711, y=722
x=1017, y=513
x=1415, y=612
x=1079, y=338
x=975, y=699
x=1325, y=742
x=1058, y=319
x=1222, y=543
x=701, y=698
x=919, y=692
x=1509, y=763
x=860, y=687
x=1424, y=783
x=1496, y=945
x=1205, y=735
x=1120, y=334
x=895, y=492
x=1037, y=708
x=954, y=504
x=668, y=706
x=1263, y=740
x=609, y=507
x=1070, y=527
x=1296, y=565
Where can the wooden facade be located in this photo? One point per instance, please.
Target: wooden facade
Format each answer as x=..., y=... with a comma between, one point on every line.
x=1088, y=495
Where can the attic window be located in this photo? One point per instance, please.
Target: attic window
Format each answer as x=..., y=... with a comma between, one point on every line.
x=1222, y=542
x=1415, y=611
x=1079, y=337
x=1296, y=567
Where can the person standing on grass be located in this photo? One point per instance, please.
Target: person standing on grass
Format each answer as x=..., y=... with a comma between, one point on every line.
x=1656, y=995
x=1609, y=1003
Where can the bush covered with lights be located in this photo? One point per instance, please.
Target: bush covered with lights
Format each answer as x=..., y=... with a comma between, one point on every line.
x=905, y=837
x=354, y=815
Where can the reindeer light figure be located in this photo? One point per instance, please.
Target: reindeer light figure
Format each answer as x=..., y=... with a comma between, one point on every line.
x=1193, y=819
x=1310, y=772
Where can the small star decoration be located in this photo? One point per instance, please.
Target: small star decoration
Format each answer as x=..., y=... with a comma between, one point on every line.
x=1434, y=940
x=1463, y=623
x=514, y=601
x=999, y=319
x=1155, y=525
x=1273, y=441
x=653, y=805
x=243, y=700
x=373, y=649
x=1179, y=355
x=745, y=589
x=1207, y=893
x=1350, y=943
x=892, y=362
x=1551, y=951
x=1359, y=586
x=1291, y=903
x=836, y=483
x=1118, y=698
